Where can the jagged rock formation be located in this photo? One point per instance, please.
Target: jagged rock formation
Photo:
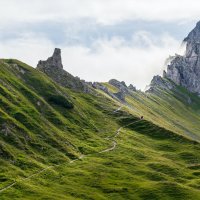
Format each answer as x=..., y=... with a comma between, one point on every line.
x=123, y=89
x=120, y=85
x=55, y=61
x=99, y=86
x=160, y=82
x=53, y=68
x=185, y=70
x=132, y=88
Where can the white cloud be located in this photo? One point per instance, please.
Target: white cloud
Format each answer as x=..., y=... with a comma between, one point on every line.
x=28, y=48
x=134, y=61
x=103, y=11
x=116, y=59
x=106, y=59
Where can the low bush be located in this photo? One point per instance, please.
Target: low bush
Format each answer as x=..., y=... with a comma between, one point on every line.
x=60, y=101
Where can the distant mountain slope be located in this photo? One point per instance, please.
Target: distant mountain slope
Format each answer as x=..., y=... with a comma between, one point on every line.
x=173, y=108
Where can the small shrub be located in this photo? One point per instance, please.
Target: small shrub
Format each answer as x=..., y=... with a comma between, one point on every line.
x=60, y=101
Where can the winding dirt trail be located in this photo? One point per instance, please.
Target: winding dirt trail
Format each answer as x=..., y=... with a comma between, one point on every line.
x=24, y=179
x=118, y=109
x=112, y=139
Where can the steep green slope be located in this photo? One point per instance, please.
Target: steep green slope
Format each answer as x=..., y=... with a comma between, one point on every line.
x=40, y=126
x=59, y=144
x=177, y=110
x=148, y=162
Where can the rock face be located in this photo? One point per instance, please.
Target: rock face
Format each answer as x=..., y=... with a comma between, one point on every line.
x=131, y=87
x=55, y=61
x=120, y=95
x=160, y=82
x=100, y=86
x=185, y=70
x=53, y=68
x=122, y=86
x=123, y=89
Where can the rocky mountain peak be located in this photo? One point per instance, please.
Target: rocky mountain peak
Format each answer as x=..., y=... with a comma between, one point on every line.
x=53, y=68
x=54, y=61
x=193, y=42
x=56, y=58
x=185, y=70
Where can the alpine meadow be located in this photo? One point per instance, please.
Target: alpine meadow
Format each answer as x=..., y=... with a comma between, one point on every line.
x=65, y=138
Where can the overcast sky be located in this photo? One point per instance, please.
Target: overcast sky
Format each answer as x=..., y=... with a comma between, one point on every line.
x=100, y=39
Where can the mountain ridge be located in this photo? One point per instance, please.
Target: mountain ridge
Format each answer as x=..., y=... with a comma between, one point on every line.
x=59, y=141
x=185, y=70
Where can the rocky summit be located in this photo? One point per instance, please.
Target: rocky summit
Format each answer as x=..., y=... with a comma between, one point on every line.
x=53, y=67
x=55, y=61
x=160, y=82
x=185, y=70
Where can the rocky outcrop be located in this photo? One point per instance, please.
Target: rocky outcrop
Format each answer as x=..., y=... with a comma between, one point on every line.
x=100, y=86
x=53, y=68
x=123, y=89
x=185, y=70
x=182, y=70
x=54, y=61
x=120, y=95
x=160, y=82
x=120, y=85
x=132, y=88
x=116, y=95
x=193, y=42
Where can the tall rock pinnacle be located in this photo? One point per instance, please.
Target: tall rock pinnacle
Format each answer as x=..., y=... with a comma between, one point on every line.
x=54, y=69
x=193, y=42
x=54, y=61
x=185, y=70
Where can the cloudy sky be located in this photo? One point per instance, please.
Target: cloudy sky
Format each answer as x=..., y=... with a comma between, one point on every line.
x=100, y=39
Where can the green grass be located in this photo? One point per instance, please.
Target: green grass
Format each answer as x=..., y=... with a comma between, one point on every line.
x=43, y=124
x=137, y=169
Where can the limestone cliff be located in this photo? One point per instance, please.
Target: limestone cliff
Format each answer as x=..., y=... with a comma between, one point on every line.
x=185, y=70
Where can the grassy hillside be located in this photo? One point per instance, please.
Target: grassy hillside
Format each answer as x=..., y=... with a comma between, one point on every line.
x=149, y=162
x=43, y=124
x=51, y=139
x=177, y=110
